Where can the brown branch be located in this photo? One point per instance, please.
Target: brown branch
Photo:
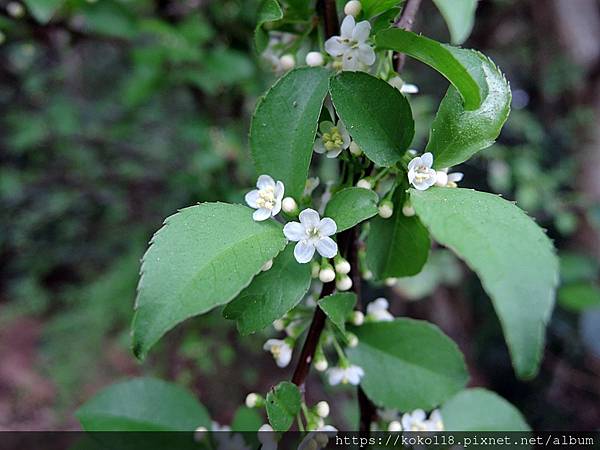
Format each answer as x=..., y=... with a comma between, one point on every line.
x=406, y=22
x=327, y=9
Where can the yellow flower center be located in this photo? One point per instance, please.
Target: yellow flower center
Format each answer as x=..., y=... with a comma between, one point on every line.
x=333, y=140
x=266, y=198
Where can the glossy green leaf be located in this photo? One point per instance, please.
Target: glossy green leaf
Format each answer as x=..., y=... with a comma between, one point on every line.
x=269, y=11
x=201, y=258
x=271, y=294
x=283, y=403
x=351, y=206
x=337, y=307
x=43, y=10
x=383, y=129
x=372, y=8
x=457, y=134
x=284, y=125
x=143, y=404
x=398, y=246
x=384, y=20
x=408, y=364
x=459, y=66
x=512, y=256
x=481, y=410
x=459, y=16
x=578, y=297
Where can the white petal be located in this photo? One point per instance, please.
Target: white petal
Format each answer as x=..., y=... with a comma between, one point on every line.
x=327, y=226
x=333, y=153
x=414, y=163
x=350, y=60
x=408, y=88
x=279, y=190
x=319, y=146
x=294, y=231
x=261, y=214
x=327, y=247
x=441, y=178
x=366, y=54
x=309, y=218
x=271, y=343
x=285, y=356
x=418, y=414
x=326, y=126
x=335, y=47
x=345, y=135
x=276, y=207
x=422, y=186
x=347, y=28
x=265, y=181
x=251, y=198
x=304, y=251
x=361, y=31
x=427, y=159
x=335, y=376
x=455, y=176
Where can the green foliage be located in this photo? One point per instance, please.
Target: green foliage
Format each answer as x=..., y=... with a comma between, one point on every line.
x=271, y=294
x=459, y=16
x=246, y=419
x=481, y=410
x=430, y=375
x=338, y=307
x=512, y=256
x=578, y=297
x=143, y=404
x=202, y=257
x=283, y=404
x=372, y=8
x=383, y=129
x=284, y=126
x=269, y=11
x=43, y=10
x=398, y=246
x=350, y=206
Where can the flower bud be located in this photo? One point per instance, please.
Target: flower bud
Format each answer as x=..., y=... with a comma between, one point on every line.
x=408, y=210
x=343, y=283
x=352, y=8
x=367, y=275
x=15, y=9
x=342, y=266
x=364, y=183
x=279, y=325
x=352, y=340
x=441, y=178
x=200, y=433
x=321, y=364
x=289, y=205
x=322, y=409
x=287, y=62
x=327, y=274
x=357, y=318
x=254, y=400
x=315, y=59
x=394, y=426
x=355, y=149
x=386, y=209
x=391, y=281
x=266, y=266
x=265, y=427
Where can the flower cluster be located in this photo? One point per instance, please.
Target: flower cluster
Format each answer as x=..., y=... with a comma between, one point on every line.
x=422, y=175
x=351, y=45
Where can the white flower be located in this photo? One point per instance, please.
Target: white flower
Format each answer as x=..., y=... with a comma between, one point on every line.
x=364, y=183
x=352, y=8
x=394, y=426
x=266, y=436
x=377, y=311
x=322, y=409
x=314, y=59
x=332, y=139
x=281, y=351
x=435, y=421
x=417, y=421
x=266, y=199
x=391, y=282
x=352, y=45
x=312, y=233
x=420, y=173
x=345, y=375
x=445, y=179
x=318, y=439
x=252, y=400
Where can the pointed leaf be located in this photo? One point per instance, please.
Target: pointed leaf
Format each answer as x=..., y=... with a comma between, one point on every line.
x=269, y=11
x=284, y=125
x=512, y=256
x=201, y=258
x=408, y=364
x=271, y=294
x=43, y=10
x=283, y=403
x=459, y=16
x=383, y=129
x=337, y=307
x=351, y=206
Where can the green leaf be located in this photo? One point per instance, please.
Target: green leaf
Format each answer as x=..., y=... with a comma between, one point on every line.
x=283, y=128
x=337, y=307
x=459, y=66
x=271, y=294
x=201, y=258
x=383, y=129
x=373, y=7
x=351, y=206
x=481, y=410
x=578, y=297
x=408, y=364
x=398, y=246
x=43, y=10
x=512, y=256
x=269, y=11
x=459, y=16
x=110, y=18
x=283, y=403
x=457, y=134
x=384, y=21
x=246, y=419
x=143, y=404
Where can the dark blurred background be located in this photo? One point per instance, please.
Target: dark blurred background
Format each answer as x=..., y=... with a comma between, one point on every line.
x=115, y=113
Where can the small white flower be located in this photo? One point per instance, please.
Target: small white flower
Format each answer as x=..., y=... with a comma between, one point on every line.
x=287, y=62
x=357, y=318
x=267, y=437
x=391, y=282
x=445, y=179
x=281, y=351
x=15, y=9
x=352, y=45
x=405, y=88
x=352, y=8
x=315, y=59
x=352, y=340
x=377, y=311
x=322, y=409
x=289, y=205
x=394, y=426
x=312, y=233
x=345, y=375
x=417, y=421
x=266, y=199
x=408, y=210
x=279, y=325
x=332, y=139
x=343, y=283
x=435, y=421
x=420, y=173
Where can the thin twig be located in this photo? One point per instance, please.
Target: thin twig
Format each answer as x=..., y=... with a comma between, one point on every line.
x=406, y=22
